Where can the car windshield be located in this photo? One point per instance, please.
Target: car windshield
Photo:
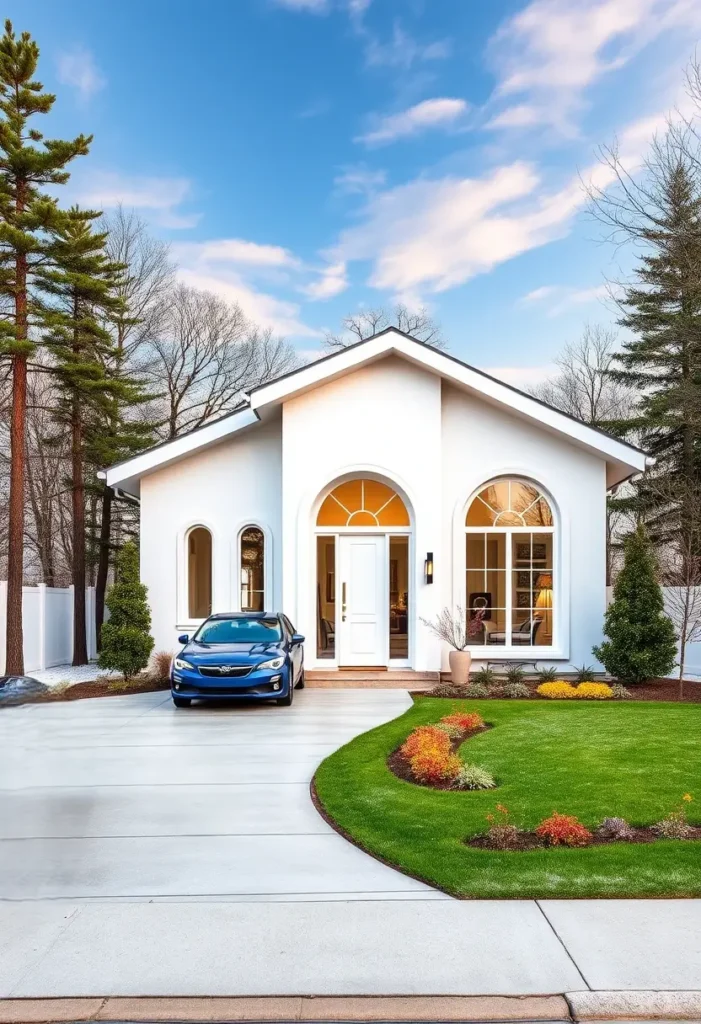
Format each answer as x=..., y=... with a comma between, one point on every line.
x=253, y=630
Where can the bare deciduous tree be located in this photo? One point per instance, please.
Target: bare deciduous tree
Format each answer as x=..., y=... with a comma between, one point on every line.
x=205, y=355
x=582, y=386
x=359, y=326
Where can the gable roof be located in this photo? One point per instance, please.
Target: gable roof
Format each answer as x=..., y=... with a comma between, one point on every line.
x=623, y=459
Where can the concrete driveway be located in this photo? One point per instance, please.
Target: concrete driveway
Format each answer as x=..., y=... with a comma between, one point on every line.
x=148, y=851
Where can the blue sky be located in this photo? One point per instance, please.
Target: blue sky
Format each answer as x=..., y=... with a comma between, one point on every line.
x=311, y=157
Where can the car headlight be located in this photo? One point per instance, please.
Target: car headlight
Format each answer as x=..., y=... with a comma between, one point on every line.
x=181, y=663
x=272, y=664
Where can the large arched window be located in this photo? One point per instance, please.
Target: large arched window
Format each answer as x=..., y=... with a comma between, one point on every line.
x=509, y=561
x=362, y=503
x=252, y=569
x=199, y=573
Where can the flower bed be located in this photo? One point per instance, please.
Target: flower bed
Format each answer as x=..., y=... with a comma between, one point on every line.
x=428, y=756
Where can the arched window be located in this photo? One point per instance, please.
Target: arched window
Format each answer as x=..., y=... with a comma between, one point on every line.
x=509, y=561
x=199, y=573
x=362, y=503
x=252, y=569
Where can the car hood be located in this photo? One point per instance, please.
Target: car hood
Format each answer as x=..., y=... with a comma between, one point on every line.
x=231, y=654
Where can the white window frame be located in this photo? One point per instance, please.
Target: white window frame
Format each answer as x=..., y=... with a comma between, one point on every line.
x=557, y=648
x=267, y=564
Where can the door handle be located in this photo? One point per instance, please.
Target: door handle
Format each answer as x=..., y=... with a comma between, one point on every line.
x=343, y=602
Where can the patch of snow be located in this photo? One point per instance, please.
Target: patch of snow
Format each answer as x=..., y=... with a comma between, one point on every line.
x=62, y=674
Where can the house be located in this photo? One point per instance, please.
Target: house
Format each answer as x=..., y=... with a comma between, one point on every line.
x=365, y=492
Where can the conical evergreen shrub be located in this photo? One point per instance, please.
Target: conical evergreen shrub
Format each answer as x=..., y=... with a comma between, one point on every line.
x=126, y=641
x=641, y=640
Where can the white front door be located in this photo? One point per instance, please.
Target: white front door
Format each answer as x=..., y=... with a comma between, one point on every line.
x=364, y=619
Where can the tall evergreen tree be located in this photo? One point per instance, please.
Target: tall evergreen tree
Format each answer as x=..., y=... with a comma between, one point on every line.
x=661, y=363
x=28, y=163
x=80, y=285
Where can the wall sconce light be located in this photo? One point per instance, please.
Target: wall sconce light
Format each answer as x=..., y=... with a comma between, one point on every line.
x=428, y=567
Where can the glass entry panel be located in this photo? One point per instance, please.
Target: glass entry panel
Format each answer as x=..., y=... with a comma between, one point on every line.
x=398, y=597
x=326, y=597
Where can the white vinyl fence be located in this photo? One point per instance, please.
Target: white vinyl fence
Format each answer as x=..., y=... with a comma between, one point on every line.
x=692, y=666
x=47, y=621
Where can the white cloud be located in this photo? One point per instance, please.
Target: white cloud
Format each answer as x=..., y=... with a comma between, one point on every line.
x=241, y=251
x=430, y=235
x=552, y=50
x=434, y=113
x=158, y=198
x=401, y=50
x=332, y=281
x=358, y=179
x=560, y=298
x=77, y=68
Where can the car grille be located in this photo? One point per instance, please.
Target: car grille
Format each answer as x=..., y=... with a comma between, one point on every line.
x=224, y=671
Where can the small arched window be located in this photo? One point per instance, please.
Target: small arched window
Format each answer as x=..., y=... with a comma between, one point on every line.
x=510, y=594
x=199, y=573
x=252, y=569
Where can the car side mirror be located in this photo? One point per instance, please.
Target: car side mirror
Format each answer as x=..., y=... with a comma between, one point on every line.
x=183, y=638
x=297, y=639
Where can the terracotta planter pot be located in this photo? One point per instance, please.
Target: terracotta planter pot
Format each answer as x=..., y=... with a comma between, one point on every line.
x=460, y=662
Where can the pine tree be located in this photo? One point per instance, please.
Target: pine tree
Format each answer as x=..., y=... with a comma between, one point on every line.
x=28, y=162
x=126, y=641
x=80, y=284
x=641, y=641
x=662, y=361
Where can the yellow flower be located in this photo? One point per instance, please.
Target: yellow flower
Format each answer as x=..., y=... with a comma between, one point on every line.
x=687, y=798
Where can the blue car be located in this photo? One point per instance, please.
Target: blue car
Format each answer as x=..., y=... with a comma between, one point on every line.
x=256, y=655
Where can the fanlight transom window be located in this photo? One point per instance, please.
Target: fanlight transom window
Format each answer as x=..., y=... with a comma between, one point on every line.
x=363, y=503
x=510, y=503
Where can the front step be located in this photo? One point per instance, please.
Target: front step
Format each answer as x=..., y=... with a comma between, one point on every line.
x=401, y=678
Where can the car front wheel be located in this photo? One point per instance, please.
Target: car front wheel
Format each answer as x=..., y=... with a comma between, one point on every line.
x=286, y=701
x=182, y=702
x=300, y=682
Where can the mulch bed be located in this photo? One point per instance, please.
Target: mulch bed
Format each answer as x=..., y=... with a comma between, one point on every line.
x=400, y=767
x=98, y=688
x=532, y=841
x=655, y=689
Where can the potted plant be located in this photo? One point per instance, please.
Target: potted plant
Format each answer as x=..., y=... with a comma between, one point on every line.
x=457, y=631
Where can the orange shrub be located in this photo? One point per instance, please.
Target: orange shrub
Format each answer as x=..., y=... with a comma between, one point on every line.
x=594, y=691
x=435, y=766
x=467, y=720
x=426, y=737
x=565, y=830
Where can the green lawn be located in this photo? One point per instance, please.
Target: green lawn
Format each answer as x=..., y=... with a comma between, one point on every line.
x=590, y=759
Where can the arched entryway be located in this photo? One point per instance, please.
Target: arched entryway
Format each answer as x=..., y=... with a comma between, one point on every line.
x=363, y=580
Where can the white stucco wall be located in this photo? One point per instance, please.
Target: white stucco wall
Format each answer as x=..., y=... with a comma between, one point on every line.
x=480, y=442
x=223, y=488
x=383, y=420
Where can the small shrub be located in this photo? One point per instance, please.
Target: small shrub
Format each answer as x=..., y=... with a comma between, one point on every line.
x=160, y=666
x=502, y=833
x=467, y=720
x=547, y=675
x=615, y=828
x=564, y=830
x=426, y=737
x=476, y=690
x=586, y=674
x=453, y=731
x=620, y=692
x=448, y=690
x=515, y=690
x=473, y=776
x=515, y=674
x=675, y=825
x=484, y=676
x=435, y=766
x=559, y=690
x=594, y=691
x=126, y=641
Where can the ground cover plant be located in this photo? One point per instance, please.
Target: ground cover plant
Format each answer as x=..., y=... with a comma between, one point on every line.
x=592, y=760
